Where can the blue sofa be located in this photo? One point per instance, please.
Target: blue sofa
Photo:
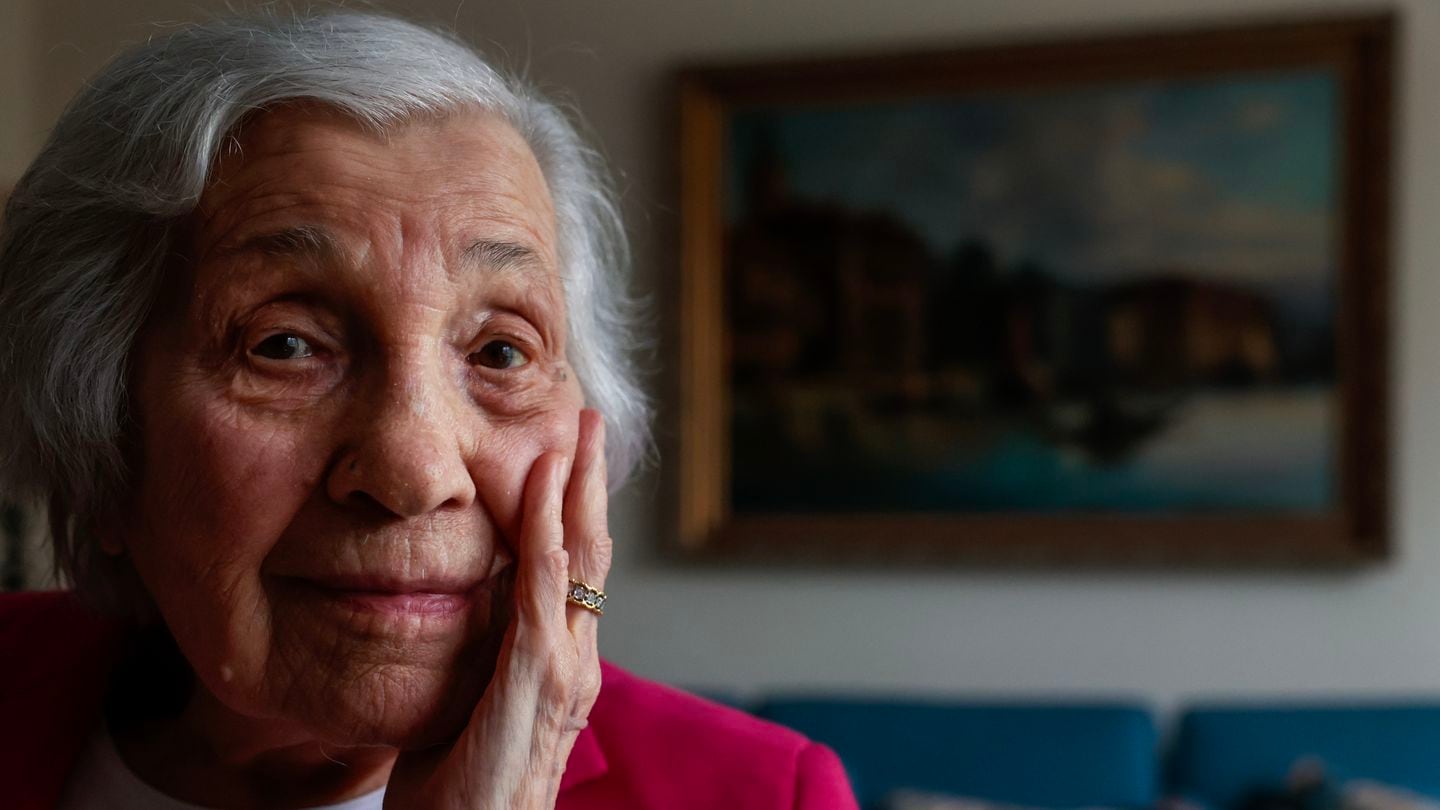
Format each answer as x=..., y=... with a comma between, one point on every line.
x=1221, y=752
x=1088, y=754
x=1062, y=755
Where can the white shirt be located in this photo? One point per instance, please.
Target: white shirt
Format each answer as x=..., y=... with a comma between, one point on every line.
x=102, y=781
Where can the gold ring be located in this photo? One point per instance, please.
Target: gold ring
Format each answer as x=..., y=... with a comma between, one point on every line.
x=586, y=596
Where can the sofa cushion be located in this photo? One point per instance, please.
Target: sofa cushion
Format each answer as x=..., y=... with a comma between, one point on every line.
x=1224, y=752
x=1041, y=755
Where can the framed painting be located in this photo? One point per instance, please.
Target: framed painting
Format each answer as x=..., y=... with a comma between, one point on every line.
x=1121, y=300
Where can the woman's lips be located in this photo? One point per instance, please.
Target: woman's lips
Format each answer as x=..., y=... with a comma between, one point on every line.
x=431, y=597
x=417, y=603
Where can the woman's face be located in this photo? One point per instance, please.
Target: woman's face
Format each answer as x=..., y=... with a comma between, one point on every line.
x=338, y=412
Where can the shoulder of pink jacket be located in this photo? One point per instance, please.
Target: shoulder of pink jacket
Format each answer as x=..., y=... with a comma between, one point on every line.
x=56, y=656
x=663, y=747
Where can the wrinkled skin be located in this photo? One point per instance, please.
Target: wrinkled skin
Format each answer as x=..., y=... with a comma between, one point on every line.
x=365, y=474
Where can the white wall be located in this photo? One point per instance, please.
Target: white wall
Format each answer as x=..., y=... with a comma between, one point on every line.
x=1160, y=636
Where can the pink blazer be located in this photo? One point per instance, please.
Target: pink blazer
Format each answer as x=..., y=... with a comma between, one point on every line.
x=647, y=745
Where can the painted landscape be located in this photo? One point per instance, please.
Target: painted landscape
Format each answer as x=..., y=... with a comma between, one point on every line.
x=1115, y=298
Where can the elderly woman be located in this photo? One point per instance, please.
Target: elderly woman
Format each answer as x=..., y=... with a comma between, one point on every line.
x=313, y=330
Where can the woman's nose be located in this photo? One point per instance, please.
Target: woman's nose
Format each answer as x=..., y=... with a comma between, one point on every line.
x=406, y=455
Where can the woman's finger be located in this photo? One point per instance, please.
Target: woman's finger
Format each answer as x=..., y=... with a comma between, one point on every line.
x=543, y=562
x=587, y=531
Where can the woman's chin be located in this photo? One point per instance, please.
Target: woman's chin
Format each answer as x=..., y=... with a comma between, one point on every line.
x=421, y=716
x=381, y=688
x=440, y=728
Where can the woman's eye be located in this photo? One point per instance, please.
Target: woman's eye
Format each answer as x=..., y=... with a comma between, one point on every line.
x=499, y=354
x=284, y=346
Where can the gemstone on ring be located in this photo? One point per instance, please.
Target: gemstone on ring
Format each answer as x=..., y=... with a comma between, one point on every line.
x=586, y=596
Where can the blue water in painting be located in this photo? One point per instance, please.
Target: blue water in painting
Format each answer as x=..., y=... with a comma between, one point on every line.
x=1224, y=453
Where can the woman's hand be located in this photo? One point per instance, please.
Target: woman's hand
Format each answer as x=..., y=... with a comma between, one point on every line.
x=513, y=752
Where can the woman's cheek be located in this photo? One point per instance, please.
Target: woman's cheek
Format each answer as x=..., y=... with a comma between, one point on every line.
x=262, y=457
x=505, y=449
x=250, y=474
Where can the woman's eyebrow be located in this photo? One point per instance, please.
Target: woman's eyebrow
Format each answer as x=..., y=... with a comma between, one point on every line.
x=490, y=254
x=299, y=241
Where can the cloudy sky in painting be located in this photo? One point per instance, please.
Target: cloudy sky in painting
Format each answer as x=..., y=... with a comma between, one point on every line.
x=1232, y=178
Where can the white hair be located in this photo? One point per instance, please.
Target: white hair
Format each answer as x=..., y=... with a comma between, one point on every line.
x=92, y=225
